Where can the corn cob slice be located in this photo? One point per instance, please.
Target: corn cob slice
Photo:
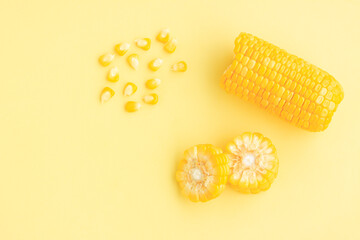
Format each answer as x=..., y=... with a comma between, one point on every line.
x=282, y=83
x=253, y=163
x=202, y=173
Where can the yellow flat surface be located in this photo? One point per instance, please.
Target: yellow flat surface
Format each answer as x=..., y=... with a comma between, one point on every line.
x=71, y=168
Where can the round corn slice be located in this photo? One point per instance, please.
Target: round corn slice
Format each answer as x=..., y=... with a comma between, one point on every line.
x=155, y=64
x=253, y=163
x=170, y=46
x=106, y=94
x=163, y=36
x=202, y=173
x=133, y=60
x=152, y=83
x=132, y=106
x=179, y=67
x=106, y=59
x=129, y=89
x=113, y=75
x=151, y=98
x=143, y=43
x=122, y=48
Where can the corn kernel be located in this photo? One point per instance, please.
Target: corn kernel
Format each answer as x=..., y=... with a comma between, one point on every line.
x=132, y=106
x=129, y=89
x=163, y=36
x=113, y=75
x=170, y=46
x=122, y=48
x=106, y=59
x=179, y=67
x=152, y=83
x=151, y=98
x=106, y=94
x=133, y=61
x=143, y=43
x=155, y=64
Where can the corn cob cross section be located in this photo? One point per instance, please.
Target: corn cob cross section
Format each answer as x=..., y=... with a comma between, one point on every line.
x=282, y=83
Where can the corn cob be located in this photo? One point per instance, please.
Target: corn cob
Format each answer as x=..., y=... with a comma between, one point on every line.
x=202, y=173
x=253, y=163
x=282, y=83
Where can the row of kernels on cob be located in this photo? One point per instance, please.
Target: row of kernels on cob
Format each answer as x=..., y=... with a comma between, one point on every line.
x=250, y=163
x=282, y=83
x=133, y=60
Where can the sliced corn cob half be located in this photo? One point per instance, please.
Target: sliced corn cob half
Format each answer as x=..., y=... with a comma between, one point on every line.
x=282, y=83
x=202, y=173
x=253, y=163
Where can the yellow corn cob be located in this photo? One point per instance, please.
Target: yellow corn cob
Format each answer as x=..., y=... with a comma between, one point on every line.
x=202, y=173
x=282, y=83
x=253, y=163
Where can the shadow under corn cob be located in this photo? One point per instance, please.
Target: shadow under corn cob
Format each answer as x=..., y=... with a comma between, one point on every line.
x=282, y=83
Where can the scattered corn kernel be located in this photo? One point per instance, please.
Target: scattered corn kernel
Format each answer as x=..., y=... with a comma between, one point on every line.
x=253, y=163
x=143, y=43
x=202, y=173
x=106, y=59
x=163, y=36
x=133, y=61
x=151, y=98
x=106, y=94
x=129, y=89
x=179, y=67
x=122, y=48
x=170, y=46
x=132, y=106
x=155, y=64
x=262, y=71
x=152, y=83
x=113, y=75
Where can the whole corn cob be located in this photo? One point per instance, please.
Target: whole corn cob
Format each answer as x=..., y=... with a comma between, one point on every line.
x=282, y=83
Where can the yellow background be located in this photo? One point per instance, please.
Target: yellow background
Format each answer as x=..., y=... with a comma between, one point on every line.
x=71, y=168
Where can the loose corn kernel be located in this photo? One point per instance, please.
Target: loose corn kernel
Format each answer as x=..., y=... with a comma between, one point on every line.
x=106, y=59
x=106, y=94
x=113, y=75
x=262, y=71
x=132, y=106
x=203, y=172
x=151, y=98
x=163, y=36
x=253, y=163
x=133, y=61
x=152, y=83
x=170, y=46
x=155, y=64
x=179, y=67
x=143, y=43
x=122, y=48
x=129, y=89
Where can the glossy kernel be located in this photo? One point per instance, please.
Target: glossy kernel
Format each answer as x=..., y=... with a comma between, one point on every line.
x=133, y=61
x=155, y=64
x=122, y=48
x=106, y=94
x=152, y=83
x=170, y=46
x=129, y=89
x=143, y=43
x=163, y=36
x=106, y=59
x=113, y=75
x=132, y=106
x=179, y=67
x=151, y=98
